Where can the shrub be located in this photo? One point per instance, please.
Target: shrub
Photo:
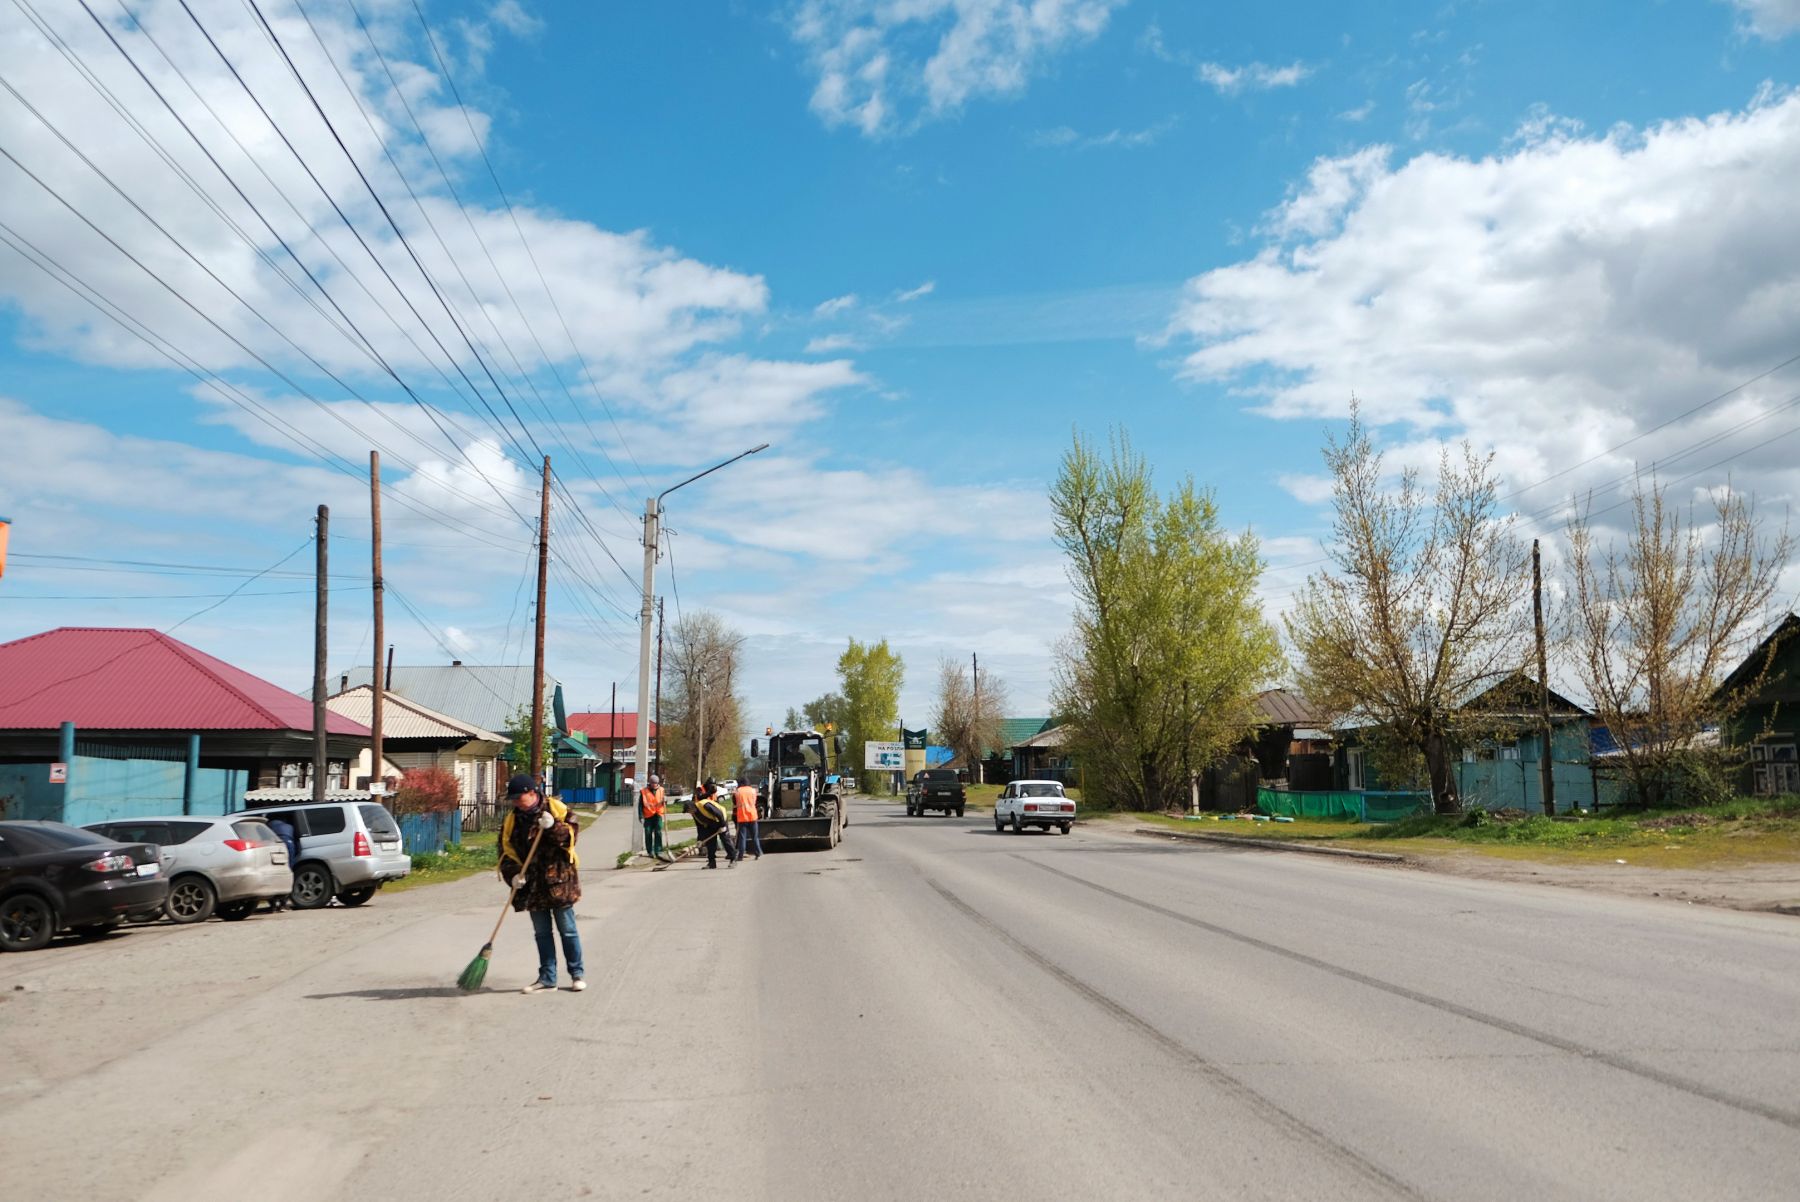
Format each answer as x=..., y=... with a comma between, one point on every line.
x=426, y=791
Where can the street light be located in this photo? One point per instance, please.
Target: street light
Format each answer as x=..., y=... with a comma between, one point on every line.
x=652, y=538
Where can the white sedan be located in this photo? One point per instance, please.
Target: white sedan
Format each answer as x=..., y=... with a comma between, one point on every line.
x=1039, y=803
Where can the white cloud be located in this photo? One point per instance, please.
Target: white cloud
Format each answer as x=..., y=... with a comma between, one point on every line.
x=728, y=393
x=828, y=344
x=631, y=304
x=511, y=16
x=834, y=306
x=1548, y=302
x=913, y=294
x=1771, y=20
x=1359, y=113
x=1130, y=139
x=884, y=65
x=1255, y=77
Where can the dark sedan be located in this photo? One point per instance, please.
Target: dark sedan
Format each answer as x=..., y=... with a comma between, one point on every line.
x=55, y=877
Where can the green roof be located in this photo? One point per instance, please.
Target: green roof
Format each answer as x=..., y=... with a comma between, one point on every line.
x=1014, y=731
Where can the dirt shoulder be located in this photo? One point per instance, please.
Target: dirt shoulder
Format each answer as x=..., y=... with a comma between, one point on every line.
x=1763, y=874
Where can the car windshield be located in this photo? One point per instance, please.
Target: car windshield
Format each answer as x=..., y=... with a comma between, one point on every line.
x=1031, y=789
x=795, y=753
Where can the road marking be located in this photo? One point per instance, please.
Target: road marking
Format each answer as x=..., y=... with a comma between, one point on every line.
x=1699, y=1089
x=1269, y=1109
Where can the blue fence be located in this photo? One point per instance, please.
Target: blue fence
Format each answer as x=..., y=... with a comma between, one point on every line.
x=426, y=833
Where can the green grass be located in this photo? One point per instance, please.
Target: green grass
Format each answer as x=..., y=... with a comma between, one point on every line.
x=478, y=852
x=1746, y=830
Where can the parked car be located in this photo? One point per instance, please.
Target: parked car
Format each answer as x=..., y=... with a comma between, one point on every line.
x=213, y=865
x=1039, y=803
x=935, y=789
x=55, y=877
x=348, y=850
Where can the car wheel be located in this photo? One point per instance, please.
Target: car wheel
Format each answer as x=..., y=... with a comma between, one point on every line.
x=236, y=911
x=357, y=896
x=1065, y=827
x=959, y=812
x=1018, y=827
x=191, y=899
x=27, y=922
x=999, y=825
x=312, y=886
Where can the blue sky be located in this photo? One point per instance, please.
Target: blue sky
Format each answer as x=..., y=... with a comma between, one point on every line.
x=911, y=245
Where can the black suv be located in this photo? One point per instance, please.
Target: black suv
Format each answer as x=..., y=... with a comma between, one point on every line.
x=935, y=789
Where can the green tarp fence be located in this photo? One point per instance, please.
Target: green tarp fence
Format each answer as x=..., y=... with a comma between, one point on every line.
x=1344, y=806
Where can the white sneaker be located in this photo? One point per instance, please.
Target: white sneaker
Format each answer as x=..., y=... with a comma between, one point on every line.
x=577, y=985
x=536, y=987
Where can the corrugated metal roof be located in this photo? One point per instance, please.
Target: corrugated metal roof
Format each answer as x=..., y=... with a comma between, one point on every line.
x=1014, y=731
x=485, y=695
x=1056, y=736
x=1283, y=708
x=404, y=718
x=103, y=678
x=600, y=726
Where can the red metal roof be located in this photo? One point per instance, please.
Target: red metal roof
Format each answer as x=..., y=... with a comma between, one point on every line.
x=113, y=679
x=601, y=726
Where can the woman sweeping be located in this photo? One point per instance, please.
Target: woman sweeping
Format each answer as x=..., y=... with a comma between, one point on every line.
x=552, y=882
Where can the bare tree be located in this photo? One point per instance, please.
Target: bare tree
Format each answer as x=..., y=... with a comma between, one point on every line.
x=966, y=720
x=706, y=724
x=1655, y=627
x=1426, y=606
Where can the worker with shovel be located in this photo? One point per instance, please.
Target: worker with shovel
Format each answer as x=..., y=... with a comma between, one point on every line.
x=710, y=826
x=551, y=881
x=651, y=803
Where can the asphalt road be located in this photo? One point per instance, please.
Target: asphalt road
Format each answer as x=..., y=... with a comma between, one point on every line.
x=933, y=1010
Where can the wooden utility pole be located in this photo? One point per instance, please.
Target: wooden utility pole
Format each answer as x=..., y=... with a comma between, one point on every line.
x=659, y=637
x=1546, y=764
x=377, y=686
x=612, y=732
x=974, y=718
x=321, y=564
x=537, y=655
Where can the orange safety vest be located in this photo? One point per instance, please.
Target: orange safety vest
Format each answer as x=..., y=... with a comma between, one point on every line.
x=746, y=803
x=653, y=802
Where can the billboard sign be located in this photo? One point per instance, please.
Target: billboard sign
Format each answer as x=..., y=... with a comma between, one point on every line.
x=884, y=757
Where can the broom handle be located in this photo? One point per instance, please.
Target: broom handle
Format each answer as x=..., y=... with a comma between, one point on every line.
x=513, y=891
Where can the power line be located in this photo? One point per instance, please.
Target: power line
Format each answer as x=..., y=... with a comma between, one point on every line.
x=481, y=146
x=240, y=588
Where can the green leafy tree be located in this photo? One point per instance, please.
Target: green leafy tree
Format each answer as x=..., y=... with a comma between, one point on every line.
x=827, y=709
x=870, y=675
x=1169, y=645
x=518, y=732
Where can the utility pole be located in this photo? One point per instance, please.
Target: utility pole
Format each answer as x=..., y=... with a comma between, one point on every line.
x=537, y=655
x=975, y=716
x=652, y=539
x=1546, y=765
x=377, y=686
x=700, y=738
x=612, y=737
x=321, y=563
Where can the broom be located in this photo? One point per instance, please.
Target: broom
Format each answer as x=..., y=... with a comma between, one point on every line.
x=476, y=972
x=696, y=849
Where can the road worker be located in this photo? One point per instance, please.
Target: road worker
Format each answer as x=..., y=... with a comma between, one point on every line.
x=651, y=804
x=747, y=830
x=711, y=826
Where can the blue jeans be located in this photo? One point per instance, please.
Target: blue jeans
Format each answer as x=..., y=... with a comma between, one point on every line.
x=571, y=943
x=749, y=833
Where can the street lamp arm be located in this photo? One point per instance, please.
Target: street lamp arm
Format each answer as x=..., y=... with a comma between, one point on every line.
x=709, y=471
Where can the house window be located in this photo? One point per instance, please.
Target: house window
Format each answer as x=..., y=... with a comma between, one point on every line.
x=1353, y=762
x=1774, y=767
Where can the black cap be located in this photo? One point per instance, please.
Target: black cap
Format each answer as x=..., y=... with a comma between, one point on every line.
x=519, y=785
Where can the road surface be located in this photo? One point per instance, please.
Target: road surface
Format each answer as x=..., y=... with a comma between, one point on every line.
x=933, y=1010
